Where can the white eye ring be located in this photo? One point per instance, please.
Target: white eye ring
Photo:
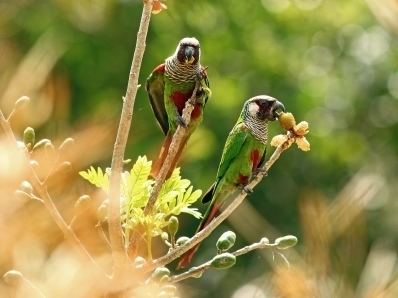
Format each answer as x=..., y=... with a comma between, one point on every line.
x=253, y=109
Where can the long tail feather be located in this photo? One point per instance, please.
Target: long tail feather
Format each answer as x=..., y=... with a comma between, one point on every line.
x=157, y=165
x=212, y=212
x=178, y=155
x=164, y=151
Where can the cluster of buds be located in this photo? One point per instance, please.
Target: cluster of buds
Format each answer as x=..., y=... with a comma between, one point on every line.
x=296, y=133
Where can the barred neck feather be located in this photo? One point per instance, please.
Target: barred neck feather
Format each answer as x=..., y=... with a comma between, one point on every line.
x=258, y=128
x=180, y=73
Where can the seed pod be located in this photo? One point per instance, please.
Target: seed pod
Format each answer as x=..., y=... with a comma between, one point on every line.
x=29, y=137
x=223, y=261
x=102, y=212
x=139, y=262
x=182, y=240
x=26, y=187
x=171, y=289
x=159, y=273
x=286, y=242
x=66, y=143
x=287, y=121
x=21, y=102
x=41, y=143
x=173, y=225
x=21, y=195
x=164, y=236
x=226, y=241
x=12, y=277
x=82, y=201
x=197, y=274
x=65, y=166
x=49, y=150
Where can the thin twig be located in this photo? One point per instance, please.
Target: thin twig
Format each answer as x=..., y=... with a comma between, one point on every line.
x=197, y=271
x=175, y=144
x=115, y=228
x=238, y=198
x=46, y=199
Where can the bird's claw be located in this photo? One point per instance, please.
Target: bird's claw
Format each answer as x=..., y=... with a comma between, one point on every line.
x=201, y=74
x=181, y=121
x=247, y=189
x=261, y=171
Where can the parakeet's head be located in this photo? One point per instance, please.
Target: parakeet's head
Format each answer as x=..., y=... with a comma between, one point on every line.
x=188, y=51
x=263, y=107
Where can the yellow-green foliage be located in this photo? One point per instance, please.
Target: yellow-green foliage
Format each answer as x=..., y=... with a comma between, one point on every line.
x=175, y=197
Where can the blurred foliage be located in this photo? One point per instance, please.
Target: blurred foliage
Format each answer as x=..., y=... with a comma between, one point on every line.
x=330, y=62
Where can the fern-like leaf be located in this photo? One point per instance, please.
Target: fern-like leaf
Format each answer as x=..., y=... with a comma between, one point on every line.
x=96, y=177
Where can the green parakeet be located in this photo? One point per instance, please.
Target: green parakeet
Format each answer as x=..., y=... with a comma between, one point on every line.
x=169, y=86
x=243, y=154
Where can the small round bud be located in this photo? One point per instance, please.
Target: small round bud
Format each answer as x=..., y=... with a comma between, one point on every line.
x=164, y=279
x=226, y=241
x=182, y=240
x=12, y=277
x=264, y=240
x=21, y=102
x=223, y=261
x=287, y=121
x=66, y=143
x=29, y=137
x=286, y=242
x=26, y=187
x=82, y=201
x=65, y=166
x=197, y=274
x=173, y=225
x=164, y=236
x=21, y=195
x=163, y=294
x=34, y=163
x=126, y=161
x=139, y=262
x=41, y=143
x=170, y=289
x=102, y=212
x=160, y=272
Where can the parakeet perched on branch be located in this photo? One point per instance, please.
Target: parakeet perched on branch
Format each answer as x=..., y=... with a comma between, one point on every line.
x=243, y=155
x=169, y=86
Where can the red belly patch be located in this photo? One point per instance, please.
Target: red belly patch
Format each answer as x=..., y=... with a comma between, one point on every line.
x=243, y=179
x=255, y=158
x=180, y=98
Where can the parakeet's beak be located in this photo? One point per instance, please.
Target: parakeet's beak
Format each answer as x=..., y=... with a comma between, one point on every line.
x=189, y=55
x=276, y=109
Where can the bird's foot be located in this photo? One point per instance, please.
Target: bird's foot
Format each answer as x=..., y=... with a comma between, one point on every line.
x=201, y=74
x=181, y=121
x=261, y=171
x=247, y=189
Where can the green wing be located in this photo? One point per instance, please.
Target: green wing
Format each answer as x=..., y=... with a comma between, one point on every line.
x=155, y=88
x=233, y=146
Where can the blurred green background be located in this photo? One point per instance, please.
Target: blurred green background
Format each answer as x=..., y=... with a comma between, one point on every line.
x=332, y=63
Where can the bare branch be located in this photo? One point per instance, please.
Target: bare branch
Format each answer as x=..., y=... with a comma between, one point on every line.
x=115, y=228
x=46, y=199
x=198, y=271
x=238, y=197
